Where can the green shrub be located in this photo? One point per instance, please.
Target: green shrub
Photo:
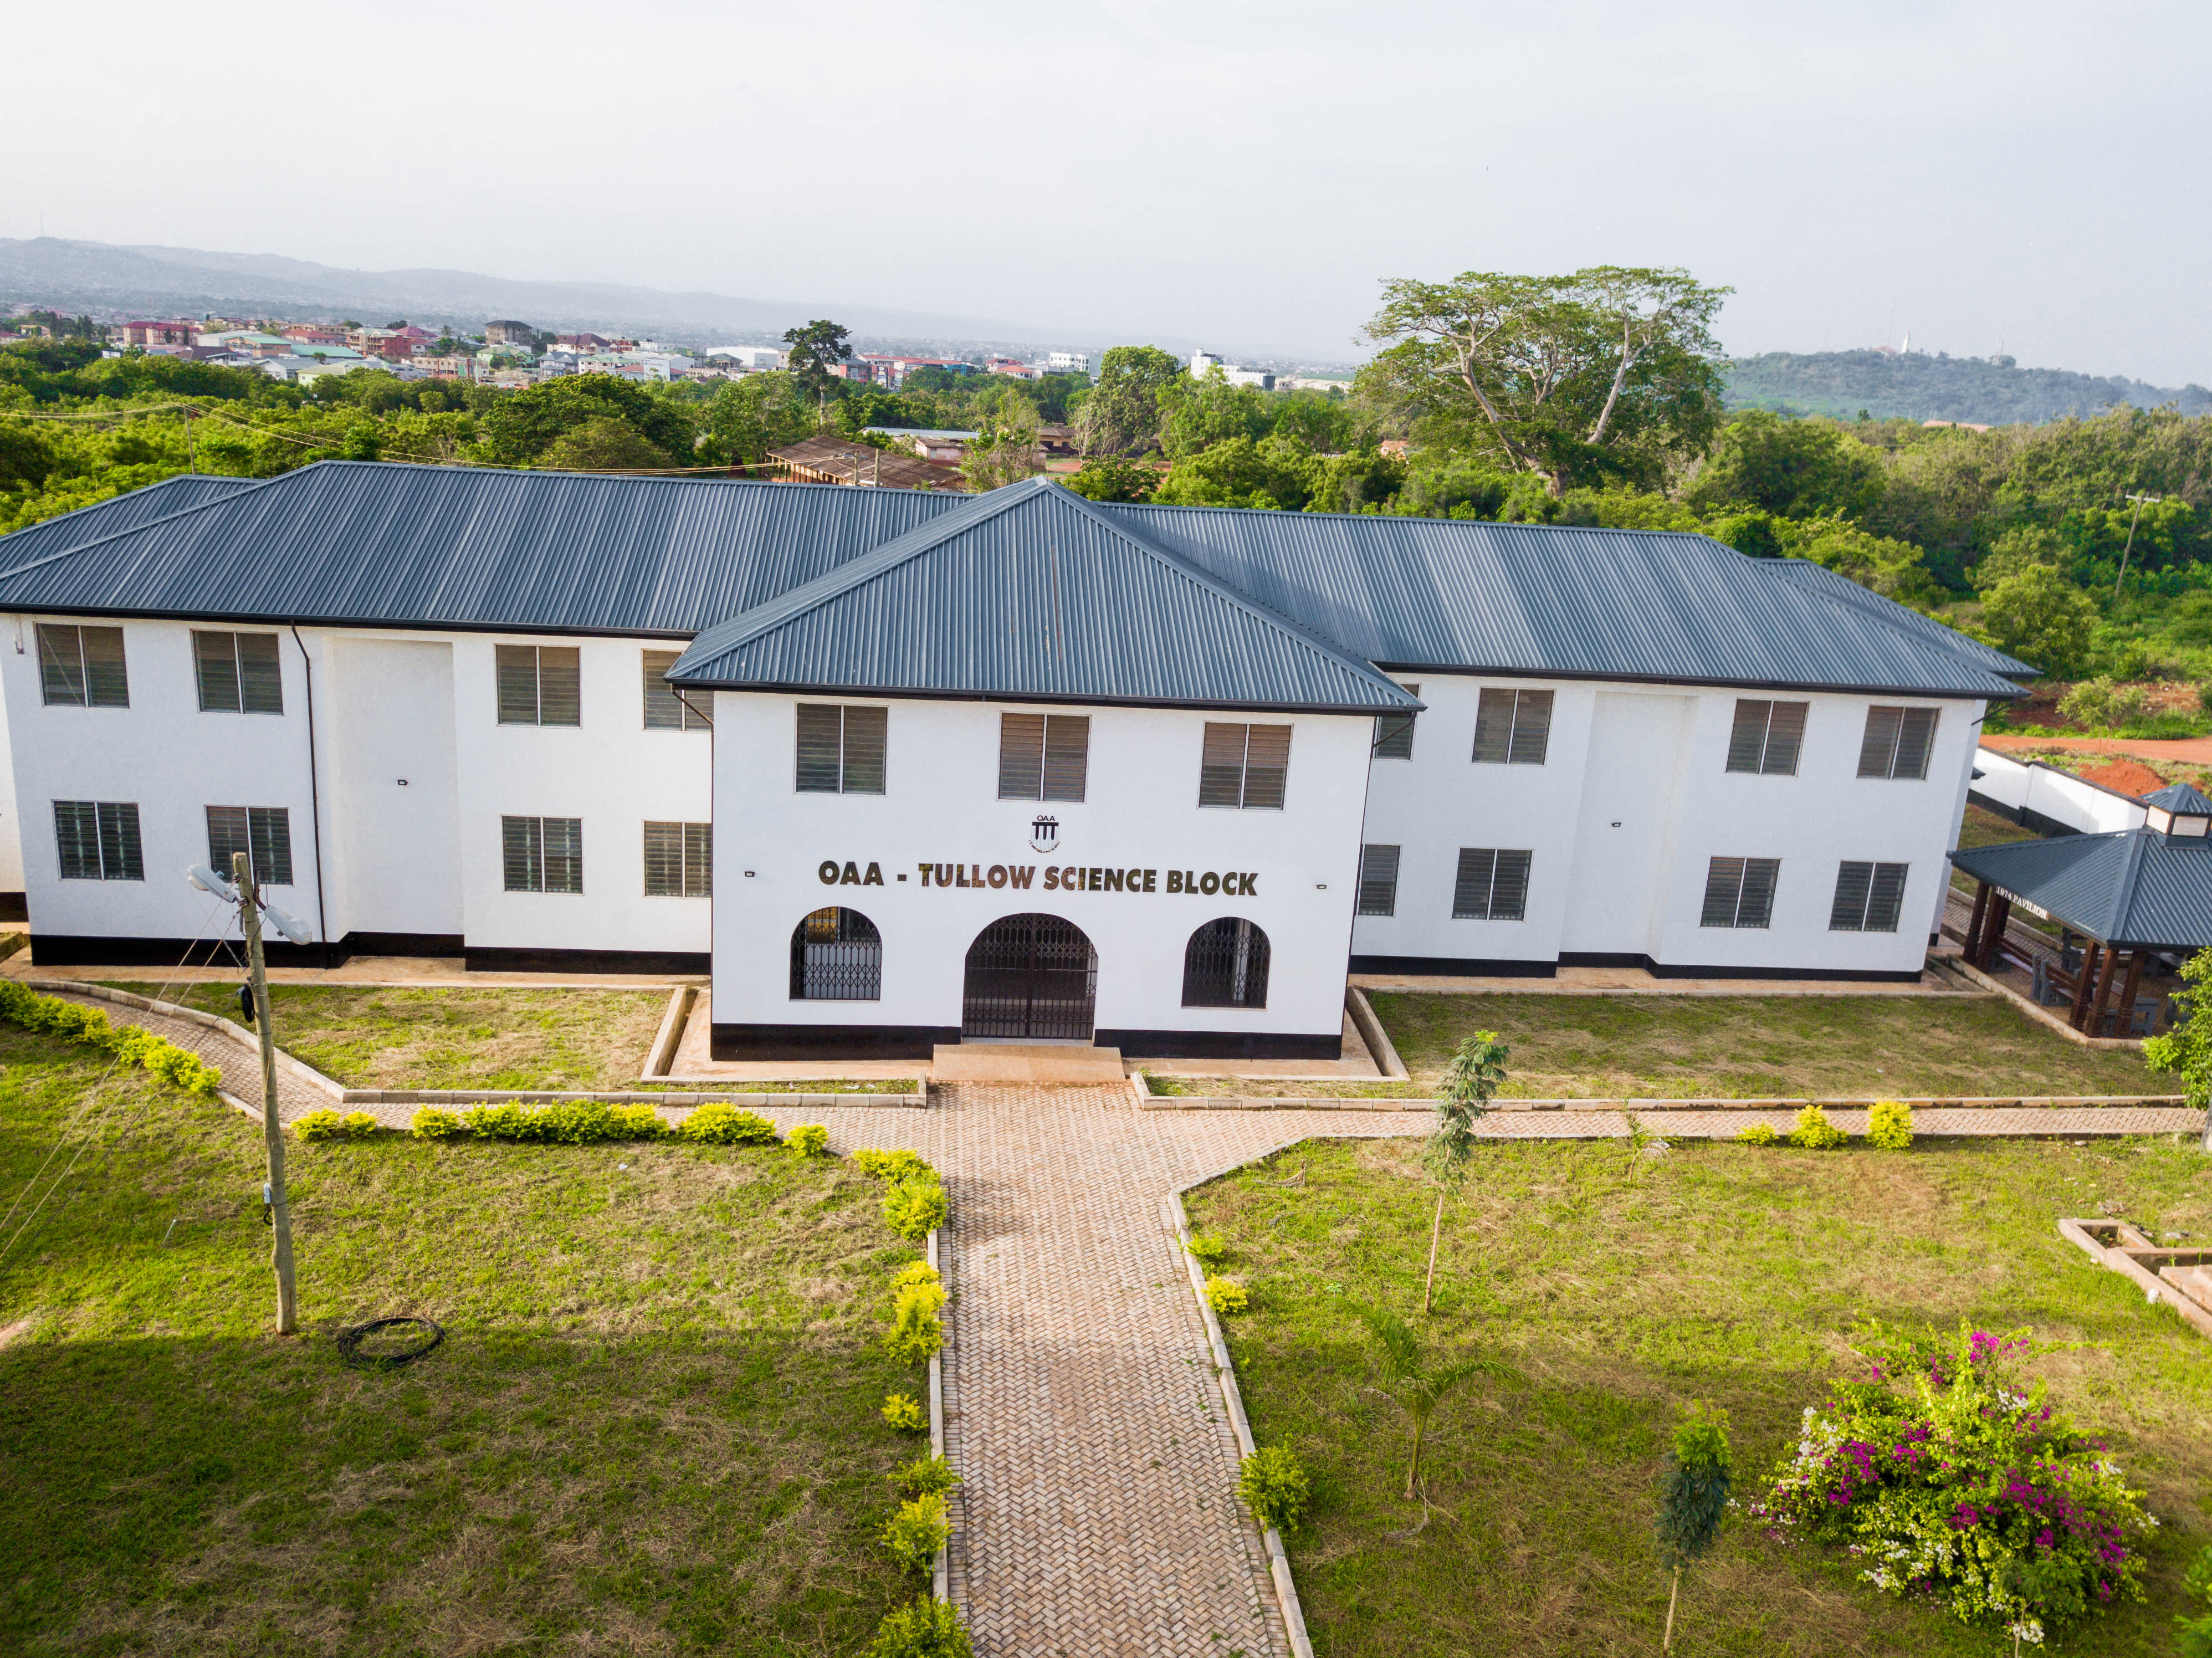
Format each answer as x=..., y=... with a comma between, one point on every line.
x=1889, y=1126
x=320, y=1125
x=1757, y=1133
x=905, y=1413
x=1226, y=1296
x=2196, y=1583
x=1815, y=1133
x=926, y=1474
x=891, y=1165
x=915, y=1271
x=914, y=1207
x=809, y=1139
x=725, y=1125
x=2098, y=704
x=1209, y=1251
x=916, y=1332
x=431, y=1123
x=928, y=1293
x=1272, y=1484
x=924, y=1629
x=131, y=1044
x=915, y=1533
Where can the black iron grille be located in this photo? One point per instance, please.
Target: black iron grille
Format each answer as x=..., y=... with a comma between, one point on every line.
x=1225, y=965
x=1030, y=975
x=836, y=956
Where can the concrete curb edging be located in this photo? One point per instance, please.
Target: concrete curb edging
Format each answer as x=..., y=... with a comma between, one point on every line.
x=662, y=1055
x=940, y=1575
x=2042, y=1015
x=1279, y=1564
x=2116, y=1258
x=1150, y=1101
x=1380, y=1048
x=238, y=1033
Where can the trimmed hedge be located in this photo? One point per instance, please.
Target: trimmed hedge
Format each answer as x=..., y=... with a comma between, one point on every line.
x=580, y=1122
x=133, y=1044
x=328, y=1126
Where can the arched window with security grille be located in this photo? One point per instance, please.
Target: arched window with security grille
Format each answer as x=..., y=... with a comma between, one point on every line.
x=836, y=956
x=1225, y=965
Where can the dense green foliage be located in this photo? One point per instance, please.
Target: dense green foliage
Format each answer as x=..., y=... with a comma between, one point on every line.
x=1992, y=391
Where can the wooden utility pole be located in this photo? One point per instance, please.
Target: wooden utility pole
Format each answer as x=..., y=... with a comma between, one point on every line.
x=272, y=1127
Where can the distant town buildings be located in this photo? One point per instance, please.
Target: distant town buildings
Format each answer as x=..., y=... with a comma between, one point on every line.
x=1203, y=363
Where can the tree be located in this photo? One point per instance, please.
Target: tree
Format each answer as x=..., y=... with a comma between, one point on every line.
x=2186, y=1050
x=1470, y=1082
x=1792, y=468
x=1115, y=479
x=1123, y=414
x=2041, y=617
x=1894, y=570
x=605, y=445
x=1693, y=1495
x=1410, y=1383
x=1198, y=413
x=523, y=425
x=814, y=350
x=749, y=416
x=1005, y=450
x=1608, y=372
x=1274, y=472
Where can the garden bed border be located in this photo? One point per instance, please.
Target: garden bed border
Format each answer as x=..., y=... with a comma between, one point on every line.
x=2122, y=1256
x=1149, y=1101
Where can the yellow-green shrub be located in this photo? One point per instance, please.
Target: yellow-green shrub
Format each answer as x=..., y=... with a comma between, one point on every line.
x=1757, y=1133
x=328, y=1126
x=1889, y=1126
x=890, y=1165
x=905, y=1413
x=1226, y=1296
x=924, y=1628
x=1815, y=1133
x=72, y=1021
x=914, y=1207
x=917, y=1333
x=809, y=1139
x=434, y=1123
x=722, y=1124
x=915, y=1533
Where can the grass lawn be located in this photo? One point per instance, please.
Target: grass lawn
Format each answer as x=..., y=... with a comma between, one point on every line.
x=651, y=1428
x=443, y=1037
x=1726, y=1273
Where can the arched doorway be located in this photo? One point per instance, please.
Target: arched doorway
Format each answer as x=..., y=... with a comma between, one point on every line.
x=1029, y=978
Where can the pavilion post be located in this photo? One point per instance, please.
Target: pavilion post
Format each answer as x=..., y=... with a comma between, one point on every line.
x=2104, y=990
x=1972, y=948
x=1994, y=930
x=2085, y=981
x=2128, y=992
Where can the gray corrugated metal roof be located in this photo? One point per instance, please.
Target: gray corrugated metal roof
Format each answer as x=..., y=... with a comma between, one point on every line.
x=1818, y=576
x=373, y=543
x=2130, y=887
x=1032, y=592
x=108, y=518
x=1552, y=601
x=2179, y=798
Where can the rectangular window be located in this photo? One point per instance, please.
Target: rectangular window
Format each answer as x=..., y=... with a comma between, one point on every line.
x=543, y=854
x=540, y=685
x=83, y=667
x=679, y=861
x=263, y=833
x=1492, y=885
x=1897, y=742
x=1394, y=732
x=665, y=710
x=1868, y=897
x=841, y=749
x=1244, y=767
x=1740, y=892
x=1043, y=756
x=1378, y=880
x=99, y=840
x=1512, y=728
x=238, y=673
x=1767, y=736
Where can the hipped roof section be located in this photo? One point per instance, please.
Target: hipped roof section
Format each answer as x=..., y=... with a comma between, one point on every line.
x=1030, y=593
x=2129, y=887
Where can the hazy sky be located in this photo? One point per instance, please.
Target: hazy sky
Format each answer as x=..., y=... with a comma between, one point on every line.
x=1242, y=174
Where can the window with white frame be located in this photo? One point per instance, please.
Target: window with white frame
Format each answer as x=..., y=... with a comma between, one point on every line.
x=98, y=840
x=1897, y=742
x=679, y=861
x=1493, y=884
x=540, y=685
x=238, y=673
x=1767, y=737
x=543, y=854
x=1043, y=756
x=1378, y=880
x=1869, y=897
x=665, y=710
x=1740, y=892
x=263, y=833
x=83, y=667
x=1244, y=767
x=1512, y=728
x=841, y=749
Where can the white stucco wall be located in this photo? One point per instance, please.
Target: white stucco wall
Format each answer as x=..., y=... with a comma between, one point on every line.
x=941, y=805
x=11, y=825
x=1633, y=801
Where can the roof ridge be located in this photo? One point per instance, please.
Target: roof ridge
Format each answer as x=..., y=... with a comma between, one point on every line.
x=252, y=486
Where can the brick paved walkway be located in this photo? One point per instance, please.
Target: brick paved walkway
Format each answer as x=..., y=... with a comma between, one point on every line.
x=1097, y=1515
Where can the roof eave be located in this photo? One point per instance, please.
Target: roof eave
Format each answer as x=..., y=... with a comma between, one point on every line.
x=908, y=693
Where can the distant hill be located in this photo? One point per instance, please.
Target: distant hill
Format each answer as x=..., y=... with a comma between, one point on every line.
x=1987, y=391
x=73, y=276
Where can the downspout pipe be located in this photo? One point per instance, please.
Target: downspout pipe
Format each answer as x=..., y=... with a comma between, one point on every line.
x=314, y=799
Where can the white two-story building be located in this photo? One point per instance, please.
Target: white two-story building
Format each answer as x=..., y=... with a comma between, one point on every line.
x=900, y=769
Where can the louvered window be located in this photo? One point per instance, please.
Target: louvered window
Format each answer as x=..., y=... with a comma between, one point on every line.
x=1512, y=728
x=543, y=854
x=1492, y=885
x=83, y=667
x=841, y=749
x=1043, y=756
x=1378, y=880
x=263, y=833
x=665, y=710
x=1869, y=897
x=1740, y=892
x=99, y=840
x=238, y=673
x=540, y=685
x=1394, y=732
x=1897, y=742
x=1245, y=767
x=1767, y=736
x=679, y=861
x=836, y=956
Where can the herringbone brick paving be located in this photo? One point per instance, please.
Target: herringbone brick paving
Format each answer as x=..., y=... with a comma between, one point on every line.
x=1096, y=1515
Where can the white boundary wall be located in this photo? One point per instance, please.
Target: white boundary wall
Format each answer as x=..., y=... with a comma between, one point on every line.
x=2045, y=792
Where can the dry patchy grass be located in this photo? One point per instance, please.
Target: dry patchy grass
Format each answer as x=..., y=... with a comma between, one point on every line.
x=1596, y=1305
x=651, y=1428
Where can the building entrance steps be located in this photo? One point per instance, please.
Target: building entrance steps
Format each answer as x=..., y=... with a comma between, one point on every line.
x=1025, y=1064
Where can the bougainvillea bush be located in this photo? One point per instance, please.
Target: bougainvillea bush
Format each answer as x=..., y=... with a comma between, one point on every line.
x=1948, y=1479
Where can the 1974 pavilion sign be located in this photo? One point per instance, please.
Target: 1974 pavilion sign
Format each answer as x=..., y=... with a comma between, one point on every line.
x=1058, y=878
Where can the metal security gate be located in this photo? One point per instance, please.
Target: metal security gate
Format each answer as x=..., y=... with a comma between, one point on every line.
x=1030, y=977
